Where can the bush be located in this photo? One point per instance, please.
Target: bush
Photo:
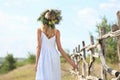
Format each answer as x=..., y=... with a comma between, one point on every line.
x=31, y=58
x=21, y=63
x=8, y=64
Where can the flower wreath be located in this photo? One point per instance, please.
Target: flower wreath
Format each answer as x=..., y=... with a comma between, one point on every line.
x=50, y=17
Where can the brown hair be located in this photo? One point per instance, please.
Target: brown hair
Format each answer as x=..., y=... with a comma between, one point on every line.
x=49, y=32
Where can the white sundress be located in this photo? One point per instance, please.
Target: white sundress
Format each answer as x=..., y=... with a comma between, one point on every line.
x=49, y=60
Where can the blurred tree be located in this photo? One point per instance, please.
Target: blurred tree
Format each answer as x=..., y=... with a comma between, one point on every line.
x=111, y=43
x=8, y=64
x=31, y=58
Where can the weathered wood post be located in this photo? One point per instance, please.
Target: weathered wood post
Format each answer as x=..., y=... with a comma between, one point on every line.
x=118, y=38
x=79, y=48
x=115, y=32
x=75, y=56
x=103, y=48
x=73, y=51
x=92, y=59
x=79, y=58
x=83, y=64
x=76, y=50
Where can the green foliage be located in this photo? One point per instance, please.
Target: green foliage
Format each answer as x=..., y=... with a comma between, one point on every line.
x=21, y=63
x=111, y=55
x=103, y=24
x=8, y=64
x=11, y=63
x=31, y=58
x=62, y=59
x=50, y=17
x=111, y=43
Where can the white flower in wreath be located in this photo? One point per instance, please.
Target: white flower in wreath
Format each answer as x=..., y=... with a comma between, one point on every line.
x=47, y=15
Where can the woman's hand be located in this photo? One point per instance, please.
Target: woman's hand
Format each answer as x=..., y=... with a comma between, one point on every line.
x=74, y=65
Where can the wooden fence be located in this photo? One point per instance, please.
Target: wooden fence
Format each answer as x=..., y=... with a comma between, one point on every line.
x=79, y=55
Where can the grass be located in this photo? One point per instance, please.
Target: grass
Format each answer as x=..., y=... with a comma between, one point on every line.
x=27, y=73
x=22, y=73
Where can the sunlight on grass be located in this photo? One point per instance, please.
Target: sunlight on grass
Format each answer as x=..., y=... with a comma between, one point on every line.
x=27, y=73
x=22, y=73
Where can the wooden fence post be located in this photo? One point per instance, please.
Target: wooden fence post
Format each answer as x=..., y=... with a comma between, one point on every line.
x=83, y=64
x=92, y=59
x=79, y=57
x=118, y=38
x=73, y=51
x=102, y=43
x=76, y=50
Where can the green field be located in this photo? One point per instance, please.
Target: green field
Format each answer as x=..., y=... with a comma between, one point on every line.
x=27, y=73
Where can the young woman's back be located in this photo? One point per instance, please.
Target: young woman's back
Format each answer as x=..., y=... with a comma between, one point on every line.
x=49, y=60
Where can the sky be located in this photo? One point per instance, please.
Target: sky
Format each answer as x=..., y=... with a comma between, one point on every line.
x=18, y=22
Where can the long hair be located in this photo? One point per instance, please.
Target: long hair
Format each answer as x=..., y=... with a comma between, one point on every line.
x=48, y=31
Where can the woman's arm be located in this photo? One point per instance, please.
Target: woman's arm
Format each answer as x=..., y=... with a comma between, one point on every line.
x=61, y=49
x=38, y=47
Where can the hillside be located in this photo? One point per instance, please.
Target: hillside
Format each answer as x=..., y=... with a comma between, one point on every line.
x=27, y=73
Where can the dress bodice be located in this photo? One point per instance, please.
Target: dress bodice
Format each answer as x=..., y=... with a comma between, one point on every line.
x=48, y=42
x=49, y=61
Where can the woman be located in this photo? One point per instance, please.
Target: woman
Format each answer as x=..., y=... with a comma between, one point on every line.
x=48, y=37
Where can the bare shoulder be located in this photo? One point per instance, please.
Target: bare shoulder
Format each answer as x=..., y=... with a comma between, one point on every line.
x=38, y=29
x=57, y=32
x=38, y=32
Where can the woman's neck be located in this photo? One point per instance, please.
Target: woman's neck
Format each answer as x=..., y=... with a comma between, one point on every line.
x=49, y=32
